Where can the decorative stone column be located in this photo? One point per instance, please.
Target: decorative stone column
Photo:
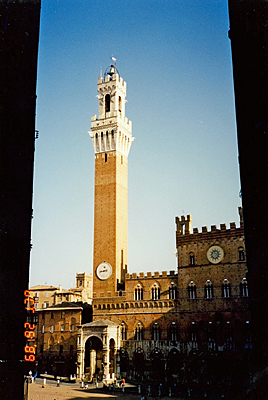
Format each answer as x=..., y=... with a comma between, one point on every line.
x=106, y=362
x=117, y=352
x=80, y=354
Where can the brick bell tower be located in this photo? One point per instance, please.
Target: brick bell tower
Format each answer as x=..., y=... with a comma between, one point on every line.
x=111, y=136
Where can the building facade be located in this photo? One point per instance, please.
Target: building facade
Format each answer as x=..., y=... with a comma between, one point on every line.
x=58, y=314
x=56, y=333
x=45, y=296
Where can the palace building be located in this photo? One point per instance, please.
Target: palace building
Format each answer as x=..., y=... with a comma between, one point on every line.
x=157, y=323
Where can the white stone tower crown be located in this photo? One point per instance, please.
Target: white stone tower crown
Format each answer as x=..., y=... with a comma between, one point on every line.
x=112, y=131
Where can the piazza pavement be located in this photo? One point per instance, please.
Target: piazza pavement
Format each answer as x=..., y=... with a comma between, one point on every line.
x=70, y=391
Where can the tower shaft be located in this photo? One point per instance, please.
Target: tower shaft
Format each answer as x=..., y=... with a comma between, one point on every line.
x=110, y=217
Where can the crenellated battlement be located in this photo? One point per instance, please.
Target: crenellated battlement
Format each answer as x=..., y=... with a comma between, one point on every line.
x=184, y=225
x=115, y=77
x=149, y=275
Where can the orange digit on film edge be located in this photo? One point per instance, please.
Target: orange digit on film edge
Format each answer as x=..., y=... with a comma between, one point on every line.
x=29, y=349
x=31, y=357
x=28, y=325
x=29, y=334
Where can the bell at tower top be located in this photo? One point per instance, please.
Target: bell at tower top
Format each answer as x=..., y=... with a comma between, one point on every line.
x=112, y=74
x=111, y=70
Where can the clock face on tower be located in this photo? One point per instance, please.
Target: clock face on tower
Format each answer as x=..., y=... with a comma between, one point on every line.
x=215, y=254
x=104, y=271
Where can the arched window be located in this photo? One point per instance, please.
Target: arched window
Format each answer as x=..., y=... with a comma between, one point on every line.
x=173, y=331
x=208, y=290
x=191, y=259
x=43, y=329
x=123, y=331
x=155, y=292
x=51, y=328
x=248, y=342
x=244, y=288
x=226, y=288
x=228, y=336
x=138, y=294
x=211, y=335
x=107, y=141
x=107, y=102
x=193, y=332
x=97, y=142
x=119, y=104
x=113, y=140
x=241, y=254
x=156, y=331
x=172, y=291
x=139, y=331
x=192, y=290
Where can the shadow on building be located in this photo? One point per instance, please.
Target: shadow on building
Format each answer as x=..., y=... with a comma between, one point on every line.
x=19, y=27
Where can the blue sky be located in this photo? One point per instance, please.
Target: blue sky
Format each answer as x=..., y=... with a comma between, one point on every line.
x=176, y=59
